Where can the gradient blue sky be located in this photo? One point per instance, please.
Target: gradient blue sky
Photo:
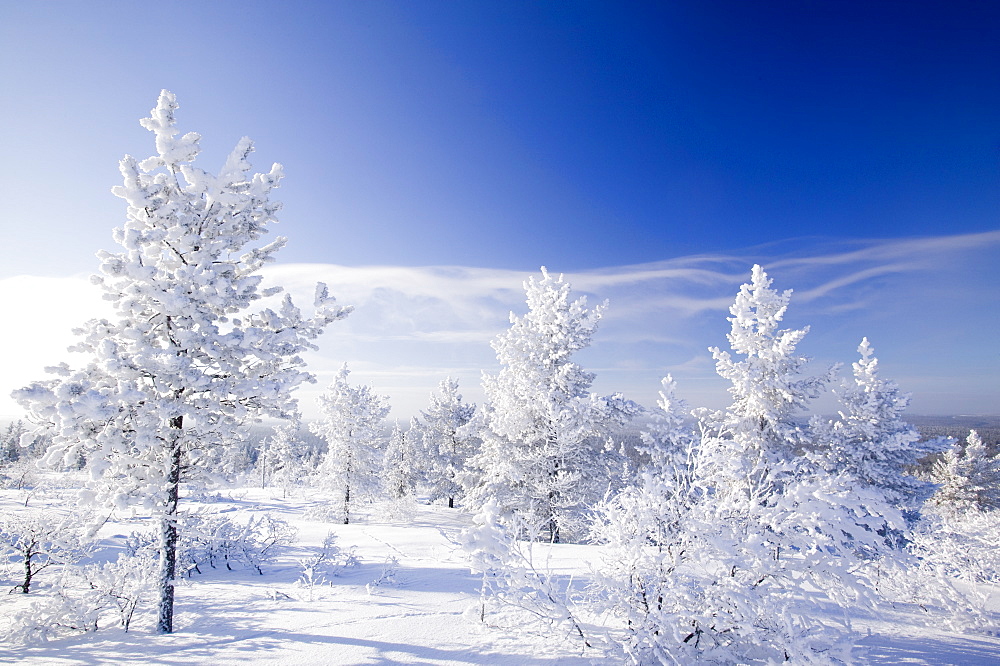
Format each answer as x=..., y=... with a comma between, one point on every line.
x=852, y=148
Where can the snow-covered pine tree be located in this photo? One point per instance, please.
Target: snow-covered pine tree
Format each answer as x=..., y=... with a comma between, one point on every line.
x=185, y=363
x=871, y=441
x=351, y=424
x=278, y=459
x=767, y=386
x=400, y=471
x=543, y=455
x=447, y=446
x=968, y=477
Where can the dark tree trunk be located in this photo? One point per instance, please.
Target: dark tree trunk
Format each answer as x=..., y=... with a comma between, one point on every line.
x=168, y=534
x=553, y=523
x=29, y=572
x=347, y=505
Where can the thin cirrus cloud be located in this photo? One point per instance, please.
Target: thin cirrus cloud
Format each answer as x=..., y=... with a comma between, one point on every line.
x=929, y=305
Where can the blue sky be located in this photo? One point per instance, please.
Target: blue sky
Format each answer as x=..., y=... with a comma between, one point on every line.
x=851, y=148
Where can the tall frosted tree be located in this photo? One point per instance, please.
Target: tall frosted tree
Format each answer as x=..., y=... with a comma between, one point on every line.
x=543, y=456
x=870, y=440
x=766, y=384
x=446, y=443
x=187, y=360
x=351, y=424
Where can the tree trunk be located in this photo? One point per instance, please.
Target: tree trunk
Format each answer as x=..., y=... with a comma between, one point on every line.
x=168, y=534
x=554, y=474
x=28, y=571
x=347, y=489
x=347, y=505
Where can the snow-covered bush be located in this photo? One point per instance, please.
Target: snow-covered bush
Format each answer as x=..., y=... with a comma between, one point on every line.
x=386, y=576
x=952, y=563
x=61, y=614
x=960, y=545
x=954, y=542
x=126, y=583
x=512, y=581
x=82, y=597
x=20, y=474
x=217, y=540
x=261, y=539
x=328, y=562
x=644, y=530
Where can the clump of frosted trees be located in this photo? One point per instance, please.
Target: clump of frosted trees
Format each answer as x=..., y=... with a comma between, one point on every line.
x=968, y=478
x=280, y=460
x=956, y=534
x=739, y=529
x=741, y=525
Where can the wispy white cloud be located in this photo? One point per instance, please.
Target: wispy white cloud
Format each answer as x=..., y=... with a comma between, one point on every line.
x=929, y=304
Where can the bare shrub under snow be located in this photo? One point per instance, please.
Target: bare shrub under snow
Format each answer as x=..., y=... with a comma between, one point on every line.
x=329, y=561
x=33, y=542
x=216, y=540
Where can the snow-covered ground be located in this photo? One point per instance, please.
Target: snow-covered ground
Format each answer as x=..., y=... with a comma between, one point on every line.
x=405, y=602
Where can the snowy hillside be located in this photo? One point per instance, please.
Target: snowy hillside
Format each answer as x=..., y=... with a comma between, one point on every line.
x=406, y=600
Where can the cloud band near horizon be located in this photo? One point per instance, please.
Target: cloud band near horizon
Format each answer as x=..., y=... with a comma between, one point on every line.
x=929, y=306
